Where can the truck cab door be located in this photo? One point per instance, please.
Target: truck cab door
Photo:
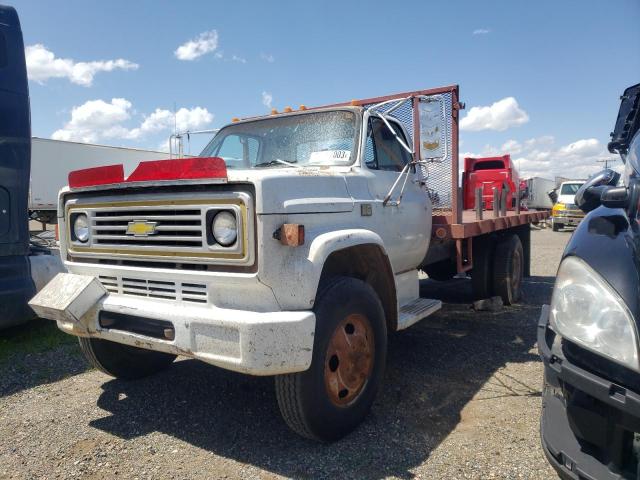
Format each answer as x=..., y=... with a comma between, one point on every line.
x=405, y=228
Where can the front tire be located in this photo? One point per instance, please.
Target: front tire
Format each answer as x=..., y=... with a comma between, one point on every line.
x=123, y=361
x=556, y=226
x=333, y=396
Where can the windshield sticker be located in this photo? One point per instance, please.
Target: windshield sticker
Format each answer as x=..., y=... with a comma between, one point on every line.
x=330, y=156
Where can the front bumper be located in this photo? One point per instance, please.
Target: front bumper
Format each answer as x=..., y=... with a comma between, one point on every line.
x=588, y=423
x=564, y=219
x=257, y=343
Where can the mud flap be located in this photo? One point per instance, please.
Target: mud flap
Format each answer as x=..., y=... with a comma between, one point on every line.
x=69, y=299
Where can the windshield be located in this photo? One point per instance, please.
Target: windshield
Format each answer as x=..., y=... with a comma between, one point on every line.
x=322, y=138
x=570, y=188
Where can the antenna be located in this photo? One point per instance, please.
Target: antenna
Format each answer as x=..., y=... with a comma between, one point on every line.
x=606, y=161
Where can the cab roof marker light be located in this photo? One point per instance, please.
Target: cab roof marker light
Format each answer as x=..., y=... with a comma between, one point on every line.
x=274, y=111
x=302, y=108
x=288, y=110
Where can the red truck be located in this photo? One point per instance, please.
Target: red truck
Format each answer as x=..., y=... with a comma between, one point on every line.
x=489, y=173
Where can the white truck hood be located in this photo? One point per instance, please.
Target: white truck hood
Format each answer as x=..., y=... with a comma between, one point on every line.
x=297, y=190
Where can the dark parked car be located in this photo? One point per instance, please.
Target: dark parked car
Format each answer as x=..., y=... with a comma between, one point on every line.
x=588, y=336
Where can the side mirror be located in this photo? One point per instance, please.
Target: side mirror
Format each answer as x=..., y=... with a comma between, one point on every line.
x=588, y=197
x=623, y=197
x=553, y=195
x=615, y=197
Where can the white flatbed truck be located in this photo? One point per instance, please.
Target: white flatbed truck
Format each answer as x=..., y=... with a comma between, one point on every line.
x=291, y=247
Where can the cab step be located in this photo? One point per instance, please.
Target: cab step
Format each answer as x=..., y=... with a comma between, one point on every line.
x=416, y=310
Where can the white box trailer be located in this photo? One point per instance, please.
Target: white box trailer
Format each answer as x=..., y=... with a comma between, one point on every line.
x=537, y=189
x=52, y=160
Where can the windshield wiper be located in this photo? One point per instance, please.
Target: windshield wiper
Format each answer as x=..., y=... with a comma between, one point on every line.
x=276, y=161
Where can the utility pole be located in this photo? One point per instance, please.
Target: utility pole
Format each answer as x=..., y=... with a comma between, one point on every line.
x=606, y=161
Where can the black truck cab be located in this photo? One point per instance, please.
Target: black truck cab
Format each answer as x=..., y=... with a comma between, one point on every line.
x=588, y=335
x=16, y=285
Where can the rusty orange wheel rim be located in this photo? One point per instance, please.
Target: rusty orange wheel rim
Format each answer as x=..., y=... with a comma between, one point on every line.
x=349, y=359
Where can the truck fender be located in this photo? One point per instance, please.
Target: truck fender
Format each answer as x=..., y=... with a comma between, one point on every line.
x=381, y=279
x=326, y=243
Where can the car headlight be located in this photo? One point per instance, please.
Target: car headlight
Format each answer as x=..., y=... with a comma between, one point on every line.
x=81, y=228
x=588, y=312
x=225, y=228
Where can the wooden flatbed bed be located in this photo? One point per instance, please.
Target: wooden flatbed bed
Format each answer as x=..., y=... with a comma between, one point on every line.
x=471, y=226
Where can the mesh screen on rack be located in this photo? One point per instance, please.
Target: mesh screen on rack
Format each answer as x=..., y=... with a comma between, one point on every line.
x=438, y=173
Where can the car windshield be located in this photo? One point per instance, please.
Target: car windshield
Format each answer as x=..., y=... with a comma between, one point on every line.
x=570, y=188
x=322, y=138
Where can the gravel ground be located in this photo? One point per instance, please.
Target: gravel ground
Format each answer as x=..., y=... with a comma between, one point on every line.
x=461, y=400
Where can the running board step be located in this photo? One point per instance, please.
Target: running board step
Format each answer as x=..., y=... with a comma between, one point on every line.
x=416, y=310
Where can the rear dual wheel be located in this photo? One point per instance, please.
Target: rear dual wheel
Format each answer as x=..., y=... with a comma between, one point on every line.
x=508, y=266
x=498, y=266
x=333, y=396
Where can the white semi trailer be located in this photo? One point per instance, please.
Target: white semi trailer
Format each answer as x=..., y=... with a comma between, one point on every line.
x=52, y=160
x=537, y=193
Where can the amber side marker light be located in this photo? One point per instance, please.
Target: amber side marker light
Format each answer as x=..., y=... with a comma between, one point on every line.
x=290, y=234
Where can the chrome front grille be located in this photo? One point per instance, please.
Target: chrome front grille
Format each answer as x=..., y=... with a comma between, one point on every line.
x=172, y=227
x=177, y=291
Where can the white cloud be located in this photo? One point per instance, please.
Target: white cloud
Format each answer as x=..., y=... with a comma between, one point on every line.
x=185, y=119
x=204, y=43
x=500, y=116
x=481, y=31
x=99, y=120
x=267, y=57
x=585, y=147
x=544, y=140
x=238, y=59
x=42, y=65
x=267, y=99
x=511, y=146
x=95, y=119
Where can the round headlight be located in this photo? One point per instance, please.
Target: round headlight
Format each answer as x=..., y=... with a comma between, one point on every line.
x=81, y=228
x=225, y=228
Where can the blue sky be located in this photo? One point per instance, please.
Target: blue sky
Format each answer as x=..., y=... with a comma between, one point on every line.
x=545, y=76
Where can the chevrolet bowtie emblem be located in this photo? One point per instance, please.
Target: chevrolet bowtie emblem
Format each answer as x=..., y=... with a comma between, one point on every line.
x=141, y=228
